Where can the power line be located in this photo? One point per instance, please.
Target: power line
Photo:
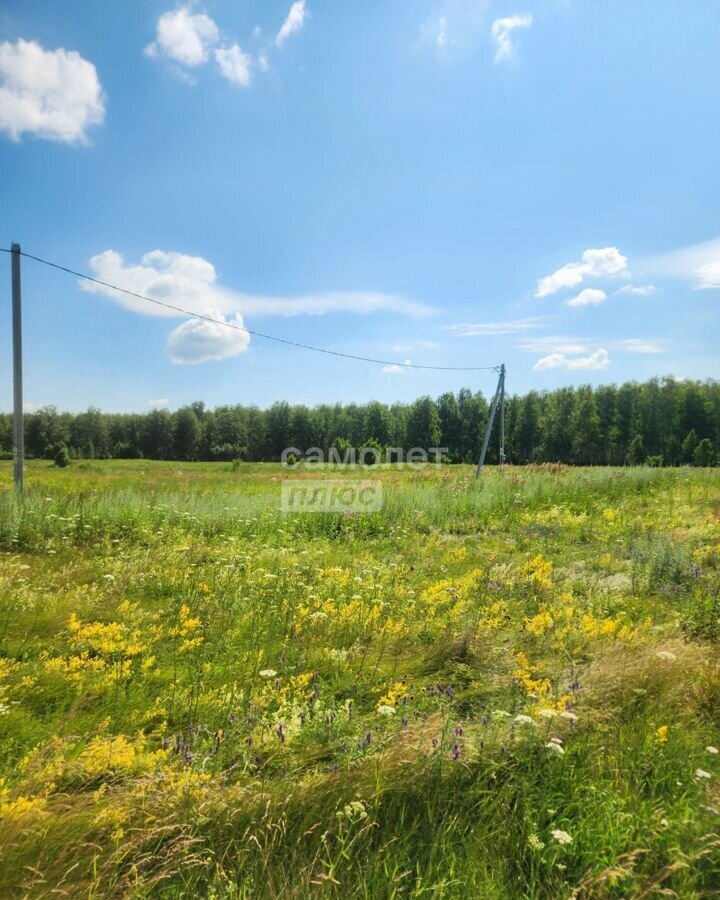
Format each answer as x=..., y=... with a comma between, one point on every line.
x=259, y=334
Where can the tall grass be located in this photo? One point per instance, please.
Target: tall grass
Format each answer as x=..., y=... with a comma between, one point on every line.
x=495, y=688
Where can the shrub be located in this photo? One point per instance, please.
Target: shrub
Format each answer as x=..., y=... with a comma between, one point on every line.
x=704, y=454
x=62, y=457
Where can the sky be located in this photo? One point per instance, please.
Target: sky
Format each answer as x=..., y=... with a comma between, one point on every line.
x=442, y=182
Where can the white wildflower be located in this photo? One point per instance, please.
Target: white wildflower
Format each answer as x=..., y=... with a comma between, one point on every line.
x=701, y=773
x=666, y=654
x=524, y=720
x=354, y=811
x=560, y=836
x=713, y=750
x=556, y=748
x=267, y=673
x=386, y=710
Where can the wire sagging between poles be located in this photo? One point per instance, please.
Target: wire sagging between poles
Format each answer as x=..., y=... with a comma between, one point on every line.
x=258, y=334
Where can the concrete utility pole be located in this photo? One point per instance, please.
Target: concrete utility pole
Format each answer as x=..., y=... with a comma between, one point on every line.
x=18, y=434
x=498, y=400
x=502, y=414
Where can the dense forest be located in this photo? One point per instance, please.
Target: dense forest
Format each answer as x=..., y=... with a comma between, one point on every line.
x=659, y=422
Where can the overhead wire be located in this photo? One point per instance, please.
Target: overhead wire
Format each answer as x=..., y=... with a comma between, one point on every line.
x=258, y=334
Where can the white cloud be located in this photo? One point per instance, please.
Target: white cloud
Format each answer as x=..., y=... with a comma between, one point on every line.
x=197, y=341
x=158, y=404
x=53, y=94
x=495, y=328
x=600, y=359
x=640, y=345
x=587, y=297
x=699, y=263
x=554, y=344
x=643, y=290
x=293, y=23
x=184, y=37
x=191, y=282
x=560, y=347
x=234, y=64
x=599, y=263
x=502, y=30
x=394, y=369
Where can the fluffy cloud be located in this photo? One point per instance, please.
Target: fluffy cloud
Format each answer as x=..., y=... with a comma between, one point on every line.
x=53, y=94
x=197, y=341
x=158, y=404
x=599, y=263
x=190, y=283
x=502, y=30
x=600, y=359
x=587, y=297
x=183, y=37
x=234, y=64
x=191, y=39
x=483, y=329
x=699, y=263
x=293, y=23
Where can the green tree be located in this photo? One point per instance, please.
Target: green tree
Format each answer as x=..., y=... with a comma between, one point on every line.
x=526, y=434
x=377, y=424
x=450, y=425
x=62, y=457
x=636, y=454
x=423, y=426
x=186, y=433
x=156, y=435
x=704, y=454
x=689, y=445
x=584, y=427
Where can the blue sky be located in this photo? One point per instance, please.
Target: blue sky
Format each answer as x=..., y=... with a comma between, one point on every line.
x=451, y=182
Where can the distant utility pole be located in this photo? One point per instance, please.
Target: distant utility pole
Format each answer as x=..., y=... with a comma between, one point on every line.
x=18, y=435
x=498, y=400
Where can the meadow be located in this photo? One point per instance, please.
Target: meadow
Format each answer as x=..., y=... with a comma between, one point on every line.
x=502, y=688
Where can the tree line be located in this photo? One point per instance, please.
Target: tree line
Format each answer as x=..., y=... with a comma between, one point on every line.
x=658, y=422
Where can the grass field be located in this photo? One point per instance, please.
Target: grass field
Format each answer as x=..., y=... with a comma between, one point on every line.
x=507, y=688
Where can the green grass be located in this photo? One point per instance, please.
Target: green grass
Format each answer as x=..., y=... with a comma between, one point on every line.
x=203, y=696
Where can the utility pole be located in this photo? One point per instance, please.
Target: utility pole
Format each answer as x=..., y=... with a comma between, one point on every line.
x=498, y=400
x=18, y=434
x=502, y=414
